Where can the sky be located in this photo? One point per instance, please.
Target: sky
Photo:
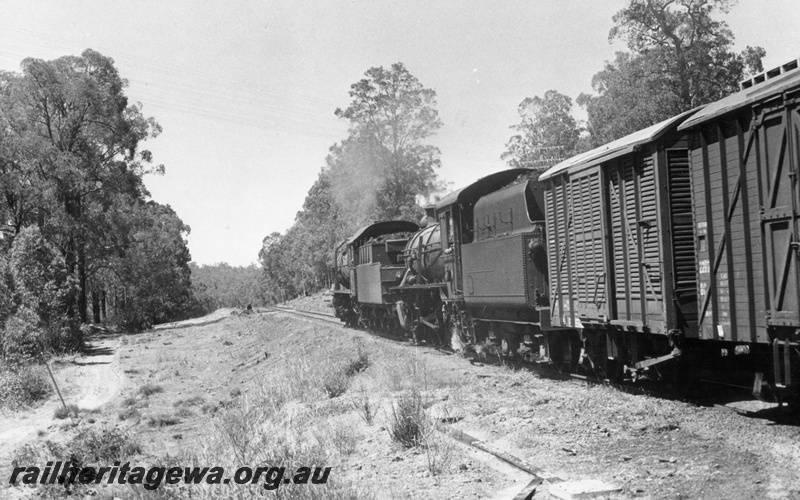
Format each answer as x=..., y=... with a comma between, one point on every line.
x=246, y=90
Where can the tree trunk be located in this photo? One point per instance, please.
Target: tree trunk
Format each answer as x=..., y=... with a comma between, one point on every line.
x=69, y=258
x=82, y=305
x=96, y=306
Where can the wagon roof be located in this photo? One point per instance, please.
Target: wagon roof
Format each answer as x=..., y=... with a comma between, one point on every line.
x=383, y=227
x=482, y=186
x=744, y=97
x=616, y=148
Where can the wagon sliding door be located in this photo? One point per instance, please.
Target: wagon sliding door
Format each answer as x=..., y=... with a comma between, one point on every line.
x=779, y=134
x=634, y=248
x=586, y=247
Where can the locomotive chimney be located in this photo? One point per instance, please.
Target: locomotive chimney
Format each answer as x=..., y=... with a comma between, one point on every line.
x=429, y=217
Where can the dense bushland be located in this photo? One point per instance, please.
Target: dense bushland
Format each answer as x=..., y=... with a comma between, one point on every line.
x=79, y=240
x=223, y=285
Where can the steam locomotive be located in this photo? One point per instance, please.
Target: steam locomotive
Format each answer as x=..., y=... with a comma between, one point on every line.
x=672, y=249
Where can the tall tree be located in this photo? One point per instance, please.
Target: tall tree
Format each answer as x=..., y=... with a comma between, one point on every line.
x=377, y=172
x=391, y=114
x=151, y=280
x=222, y=285
x=77, y=135
x=546, y=134
x=680, y=57
x=71, y=168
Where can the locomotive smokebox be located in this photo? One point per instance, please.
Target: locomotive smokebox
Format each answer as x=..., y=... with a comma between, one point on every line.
x=423, y=254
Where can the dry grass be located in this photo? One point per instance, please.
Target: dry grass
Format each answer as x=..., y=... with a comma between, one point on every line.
x=149, y=389
x=314, y=400
x=365, y=407
x=163, y=420
x=408, y=420
x=439, y=451
x=343, y=437
x=63, y=412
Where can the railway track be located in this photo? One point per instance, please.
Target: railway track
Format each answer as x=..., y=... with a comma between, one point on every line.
x=546, y=370
x=328, y=318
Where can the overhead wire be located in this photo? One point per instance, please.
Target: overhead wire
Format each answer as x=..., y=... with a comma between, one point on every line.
x=189, y=90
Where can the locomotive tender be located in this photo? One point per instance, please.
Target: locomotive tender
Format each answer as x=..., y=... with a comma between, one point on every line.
x=675, y=247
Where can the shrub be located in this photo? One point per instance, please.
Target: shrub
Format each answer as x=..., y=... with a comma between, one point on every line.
x=335, y=383
x=438, y=451
x=63, y=412
x=128, y=413
x=23, y=386
x=89, y=446
x=359, y=364
x=408, y=424
x=364, y=407
x=162, y=420
x=184, y=412
x=8, y=296
x=344, y=438
x=149, y=388
x=236, y=424
x=22, y=337
x=192, y=401
x=130, y=401
x=43, y=288
x=102, y=446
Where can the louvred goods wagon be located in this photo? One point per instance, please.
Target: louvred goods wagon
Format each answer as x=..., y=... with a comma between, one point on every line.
x=621, y=254
x=745, y=155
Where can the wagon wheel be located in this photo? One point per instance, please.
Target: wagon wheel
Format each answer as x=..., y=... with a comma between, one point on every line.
x=386, y=323
x=394, y=326
x=374, y=321
x=351, y=318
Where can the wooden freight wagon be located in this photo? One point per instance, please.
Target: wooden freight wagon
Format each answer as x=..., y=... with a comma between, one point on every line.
x=745, y=154
x=620, y=248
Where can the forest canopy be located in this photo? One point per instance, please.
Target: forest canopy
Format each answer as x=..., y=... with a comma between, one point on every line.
x=79, y=239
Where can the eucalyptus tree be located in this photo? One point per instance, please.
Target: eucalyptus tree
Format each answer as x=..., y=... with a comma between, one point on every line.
x=681, y=56
x=391, y=115
x=76, y=146
x=546, y=134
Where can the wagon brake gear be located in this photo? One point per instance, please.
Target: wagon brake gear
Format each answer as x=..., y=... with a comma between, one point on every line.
x=584, y=359
x=639, y=369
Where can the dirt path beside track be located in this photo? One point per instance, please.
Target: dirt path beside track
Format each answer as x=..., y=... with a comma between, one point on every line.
x=88, y=381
